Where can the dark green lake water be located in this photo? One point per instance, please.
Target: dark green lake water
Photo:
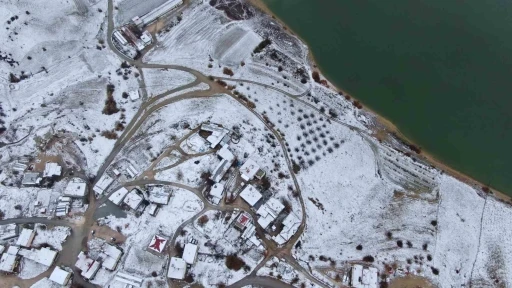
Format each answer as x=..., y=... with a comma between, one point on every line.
x=440, y=70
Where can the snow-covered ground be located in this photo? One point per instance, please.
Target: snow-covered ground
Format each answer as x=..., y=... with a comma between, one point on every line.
x=54, y=237
x=159, y=81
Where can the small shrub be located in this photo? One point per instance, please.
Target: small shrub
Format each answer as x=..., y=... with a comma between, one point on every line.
x=389, y=235
x=434, y=223
x=228, y=71
x=425, y=246
x=202, y=220
x=316, y=76
x=112, y=135
x=368, y=258
x=359, y=247
x=17, y=207
x=435, y=271
x=409, y=244
x=263, y=44
x=399, y=243
x=233, y=262
x=429, y=257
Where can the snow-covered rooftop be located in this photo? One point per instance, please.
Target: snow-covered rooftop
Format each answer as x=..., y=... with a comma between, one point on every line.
x=364, y=277
x=225, y=153
x=8, y=262
x=60, y=276
x=103, y=183
x=88, y=266
x=177, y=268
x=8, y=231
x=190, y=253
x=250, y=194
x=152, y=209
x=118, y=196
x=13, y=250
x=111, y=256
x=157, y=244
x=30, y=178
x=272, y=207
x=52, y=169
x=249, y=169
x=44, y=256
x=221, y=170
x=217, y=191
x=76, y=188
x=159, y=195
x=134, y=95
x=291, y=225
x=133, y=199
x=26, y=237
x=160, y=10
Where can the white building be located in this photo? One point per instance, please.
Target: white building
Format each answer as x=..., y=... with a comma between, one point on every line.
x=152, y=209
x=132, y=281
x=52, y=169
x=225, y=153
x=177, y=268
x=44, y=256
x=102, y=184
x=133, y=199
x=120, y=38
x=118, y=196
x=88, y=266
x=364, y=277
x=60, y=276
x=250, y=194
x=76, y=188
x=8, y=262
x=134, y=95
x=291, y=225
x=8, y=231
x=249, y=169
x=146, y=37
x=158, y=195
x=111, y=256
x=31, y=179
x=26, y=237
x=217, y=192
x=269, y=211
x=190, y=253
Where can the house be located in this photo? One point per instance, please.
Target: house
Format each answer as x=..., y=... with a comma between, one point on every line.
x=31, y=179
x=249, y=169
x=9, y=262
x=177, y=268
x=217, y=192
x=111, y=256
x=225, y=153
x=269, y=211
x=52, y=169
x=133, y=199
x=218, y=134
x=44, y=256
x=88, y=266
x=242, y=221
x=157, y=244
x=190, y=253
x=291, y=225
x=146, y=37
x=363, y=277
x=26, y=237
x=158, y=195
x=102, y=184
x=251, y=195
x=60, y=276
x=120, y=38
x=8, y=231
x=76, y=188
x=130, y=280
x=153, y=209
x=118, y=196
x=221, y=170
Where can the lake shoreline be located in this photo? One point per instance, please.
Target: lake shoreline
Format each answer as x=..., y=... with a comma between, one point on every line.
x=389, y=127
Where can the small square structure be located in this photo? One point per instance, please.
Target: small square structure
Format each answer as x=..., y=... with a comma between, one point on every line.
x=134, y=95
x=76, y=188
x=217, y=192
x=8, y=262
x=364, y=277
x=249, y=169
x=26, y=237
x=251, y=195
x=60, y=276
x=102, y=184
x=111, y=256
x=177, y=268
x=190, y=253
x=153, y=209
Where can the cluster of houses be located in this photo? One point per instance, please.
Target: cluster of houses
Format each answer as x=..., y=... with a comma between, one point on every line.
x=134, y=199
x=131, y=37
x=106, y=180
x=178, y=266
x=107, y=257
x=11, y=257
x=33, y=178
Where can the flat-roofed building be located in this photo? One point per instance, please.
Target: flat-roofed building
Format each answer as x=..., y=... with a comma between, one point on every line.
x=102, y=184
x=76, y=188
x=88, y=266
x=60, y=276
x=249, y=169
x=44, y=256
x=190, y=253
x=250, y=194
x=177, y=268
x=133, y=199
x=118, y=196
x=26, y=237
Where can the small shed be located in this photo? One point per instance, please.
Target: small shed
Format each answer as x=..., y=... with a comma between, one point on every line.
x=60, y=276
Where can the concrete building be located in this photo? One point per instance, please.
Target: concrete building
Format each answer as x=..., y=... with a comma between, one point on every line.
x=26, y=237
x=190, y=253
x=291, y=225
x=52, y=169
x=160, y=11
x=31, y=179
x=249, y=169
x=269, y=211
x=60, y=276
x=157, y=244
x=133, y=199
x=9, y=262
x=44, y=256
x=88, y=266
x=250, y=194
x=76, y=188
x=364, y=277
x=102, y=184
x=217, y=192
x=111, y=256
x=118, y=196
x=177, y=268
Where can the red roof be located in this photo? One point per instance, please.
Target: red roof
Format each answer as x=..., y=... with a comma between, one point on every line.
x=157, y=241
